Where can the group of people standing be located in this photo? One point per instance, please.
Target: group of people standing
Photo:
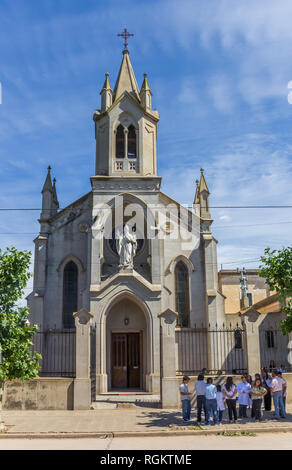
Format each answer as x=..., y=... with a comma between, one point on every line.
x=249, y=393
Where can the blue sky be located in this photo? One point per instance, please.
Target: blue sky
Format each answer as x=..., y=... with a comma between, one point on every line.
x=219, y=73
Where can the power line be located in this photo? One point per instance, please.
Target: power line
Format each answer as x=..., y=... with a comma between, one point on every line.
x=216, y=227
x=3, y=209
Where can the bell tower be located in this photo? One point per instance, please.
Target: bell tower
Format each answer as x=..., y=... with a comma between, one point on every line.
x=126, y=126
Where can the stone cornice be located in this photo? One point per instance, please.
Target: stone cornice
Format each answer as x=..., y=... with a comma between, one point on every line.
x=124, y=276
x=130, y=183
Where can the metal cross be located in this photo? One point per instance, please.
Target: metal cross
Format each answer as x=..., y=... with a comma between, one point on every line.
x=125, y=35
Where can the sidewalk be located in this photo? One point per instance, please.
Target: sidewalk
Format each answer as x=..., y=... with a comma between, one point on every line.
x=138, y=421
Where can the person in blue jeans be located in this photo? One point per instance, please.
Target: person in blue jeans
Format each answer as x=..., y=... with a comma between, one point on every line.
x=185, y=396
x=200, y=388
x=277, y=394
x=211, y=401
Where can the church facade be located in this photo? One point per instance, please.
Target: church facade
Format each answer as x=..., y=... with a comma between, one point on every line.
x=125, y=251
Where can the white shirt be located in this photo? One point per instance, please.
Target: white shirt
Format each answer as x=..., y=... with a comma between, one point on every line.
x=268, y=382
x=243, y=393
x=184, y=389
x=230, y=393
x=277, y=384
x=284, y=384
x=220, y=401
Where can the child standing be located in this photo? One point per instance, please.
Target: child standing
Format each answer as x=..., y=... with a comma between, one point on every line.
x=220, y=403
x=211, y=403
x=185, y=396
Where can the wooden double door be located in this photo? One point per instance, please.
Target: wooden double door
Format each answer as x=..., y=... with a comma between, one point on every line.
x=126, y=357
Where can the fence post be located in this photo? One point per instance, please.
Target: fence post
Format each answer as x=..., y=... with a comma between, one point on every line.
x=82, y=382
x=169, y=383
x=252, y=321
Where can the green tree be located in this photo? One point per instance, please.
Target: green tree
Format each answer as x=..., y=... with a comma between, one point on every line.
x=16, y=335
x=277, y=270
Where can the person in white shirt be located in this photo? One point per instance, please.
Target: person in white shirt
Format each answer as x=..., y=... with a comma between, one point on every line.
x=243, y=390
x=185, y=396
x=277, y=394
x=200, y=388
x=284, y=382
x=229, y=393
x=220, y=404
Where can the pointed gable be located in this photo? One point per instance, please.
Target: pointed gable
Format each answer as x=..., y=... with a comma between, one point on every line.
x=126, y=80
x=203, y=184
x=48, y=182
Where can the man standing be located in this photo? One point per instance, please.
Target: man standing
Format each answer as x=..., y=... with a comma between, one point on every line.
x=211, y=402
x=185, y=396
x=200, y=387
x=284, y=384
x=277, y=394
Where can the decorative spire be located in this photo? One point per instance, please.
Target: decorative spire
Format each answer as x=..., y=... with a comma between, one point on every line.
x=204, y=199
x=55, y=197
x=203, y=184
x=106, y=85
x=145, y=93
x=126, y=80
x=197, y=195
x=48, y=182
x=106, y=94
x=145, y=84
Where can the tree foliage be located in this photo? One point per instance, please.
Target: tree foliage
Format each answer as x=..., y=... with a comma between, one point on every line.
x=16, y=336
x=277, y=270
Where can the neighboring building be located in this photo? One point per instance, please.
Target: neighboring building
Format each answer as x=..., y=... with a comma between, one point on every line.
x=76, y=257
x=266, y=315
x=229, y=286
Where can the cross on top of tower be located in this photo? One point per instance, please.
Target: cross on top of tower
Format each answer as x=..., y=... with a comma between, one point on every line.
x=125, y=34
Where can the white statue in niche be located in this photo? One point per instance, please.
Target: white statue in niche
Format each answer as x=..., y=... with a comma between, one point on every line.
x=126, y=247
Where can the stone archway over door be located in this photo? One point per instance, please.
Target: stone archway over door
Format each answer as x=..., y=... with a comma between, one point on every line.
x=126, y=346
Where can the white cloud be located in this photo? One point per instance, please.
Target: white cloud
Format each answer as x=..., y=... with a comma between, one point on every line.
x=250, y=173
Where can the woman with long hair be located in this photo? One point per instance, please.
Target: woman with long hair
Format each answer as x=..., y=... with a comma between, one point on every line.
x=266, y=381
x=229, y=393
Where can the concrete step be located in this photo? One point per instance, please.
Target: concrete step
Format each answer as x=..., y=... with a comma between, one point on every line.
x=125, y=400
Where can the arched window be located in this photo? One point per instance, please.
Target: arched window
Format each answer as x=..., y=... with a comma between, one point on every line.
x=120, y=142
x=182, y=294
x=132, y=149
x=70, y=294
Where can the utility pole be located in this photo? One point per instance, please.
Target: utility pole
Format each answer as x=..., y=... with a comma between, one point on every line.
x=244, y=303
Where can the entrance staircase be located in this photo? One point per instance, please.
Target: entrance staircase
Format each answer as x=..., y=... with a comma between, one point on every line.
x=126, y=399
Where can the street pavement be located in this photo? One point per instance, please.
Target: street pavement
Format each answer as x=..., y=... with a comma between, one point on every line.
x=265, y=441
x=123, y=421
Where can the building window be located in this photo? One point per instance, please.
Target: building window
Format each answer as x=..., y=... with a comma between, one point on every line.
x=132, y=148
x=249, y=296
x=70, y=294
x=270, y=340
x=238, y=339
x=182, y=294
x=120, y=142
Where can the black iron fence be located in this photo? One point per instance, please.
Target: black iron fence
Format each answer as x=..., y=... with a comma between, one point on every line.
x=219, y=350
x=274, y=348
x=58, y=350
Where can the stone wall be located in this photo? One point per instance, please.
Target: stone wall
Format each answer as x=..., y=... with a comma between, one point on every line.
x=42, y=393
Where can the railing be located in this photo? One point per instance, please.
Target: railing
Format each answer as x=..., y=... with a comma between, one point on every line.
x=219, y=350
x=58, y=350
x=274, y=348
